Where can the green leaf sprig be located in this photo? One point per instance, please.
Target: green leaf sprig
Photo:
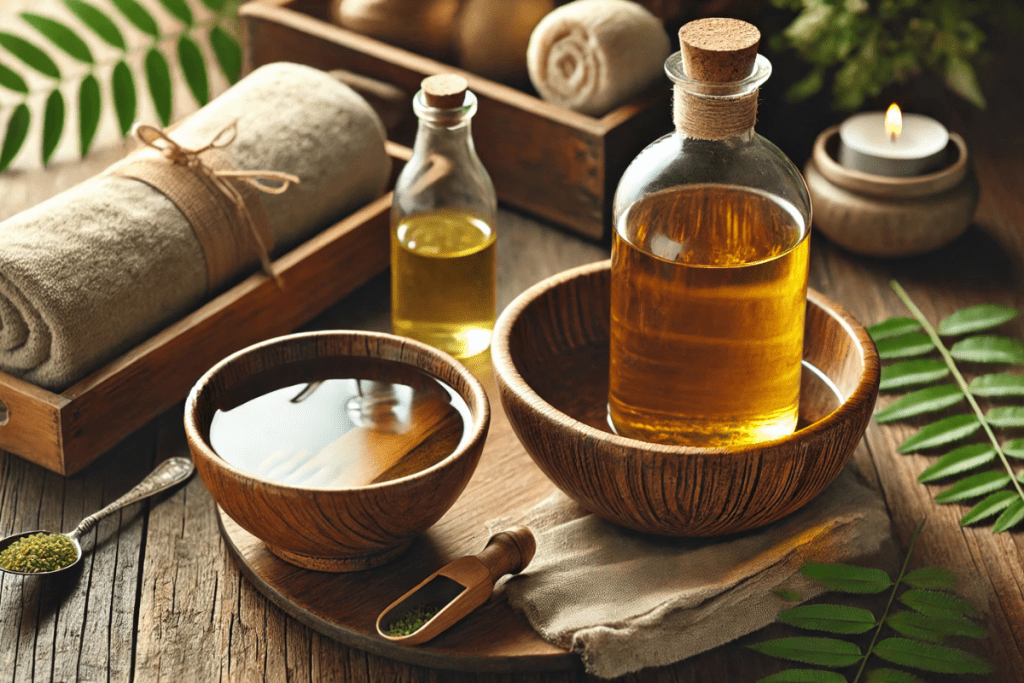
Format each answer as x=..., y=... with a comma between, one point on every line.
x=905, y=340
x=865, y=46
x=934, y=615
x=123, y=93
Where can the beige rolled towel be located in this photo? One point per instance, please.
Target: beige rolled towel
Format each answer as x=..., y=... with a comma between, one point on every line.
x=95, y=270
x=593, y=55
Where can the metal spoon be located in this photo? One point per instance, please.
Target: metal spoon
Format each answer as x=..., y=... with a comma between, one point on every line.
x=167, y=474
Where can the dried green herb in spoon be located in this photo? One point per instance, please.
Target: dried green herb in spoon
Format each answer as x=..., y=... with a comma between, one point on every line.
x=412, y=621
x=39, y=553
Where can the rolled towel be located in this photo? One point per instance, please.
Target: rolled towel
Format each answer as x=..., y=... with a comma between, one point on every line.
x=593, y=55
x=95, y=270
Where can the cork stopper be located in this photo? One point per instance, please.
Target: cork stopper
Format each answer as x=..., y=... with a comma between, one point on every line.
x=444, y=91
x=719, y=50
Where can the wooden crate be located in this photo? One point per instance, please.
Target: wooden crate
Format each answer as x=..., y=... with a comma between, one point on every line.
x=65, y=432
x=558, y=164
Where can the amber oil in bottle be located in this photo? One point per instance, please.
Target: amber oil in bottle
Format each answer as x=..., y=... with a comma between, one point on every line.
x=707, y=316
x=709, y=261
x=443, y=272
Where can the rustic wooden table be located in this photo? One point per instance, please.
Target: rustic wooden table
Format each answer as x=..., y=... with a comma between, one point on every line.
x=159, y=598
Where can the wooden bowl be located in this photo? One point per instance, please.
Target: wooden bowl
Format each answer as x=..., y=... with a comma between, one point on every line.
x=341, y=529
x=550, y=353
x=878, y=215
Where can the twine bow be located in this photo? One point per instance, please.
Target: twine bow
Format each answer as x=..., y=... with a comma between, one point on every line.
x=190, y=158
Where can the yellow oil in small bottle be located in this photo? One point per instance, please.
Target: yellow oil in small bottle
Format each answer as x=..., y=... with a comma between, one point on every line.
x=443, y=278
x=707, y=316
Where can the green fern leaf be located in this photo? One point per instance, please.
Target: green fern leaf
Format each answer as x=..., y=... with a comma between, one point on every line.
x=893, y=327
x=911, y=373
x=998, y=385
x=945, y=431
x=12, y=81
x=829, y=652
x=14, y=138
x=905, y=346
x=805, y=676
x=98, y=22
x=1006, y=416
x=53, y=124
x=229, y=54
x=138, y=16
x=991, y=506
x=214, y=5
x=936, y=604
x=932, y=578
x=934, y=629
x=1010, y=518
x=974, y=486
x=847, y=578
x=158, y=74
x=988, y=349
x=975, y=319
x=60, y=35
x=1014, y=448
x=961, y=460
x=180, y=10
x=192, y=65
x=122, y=86
x=919, y=402
x=831, y=618
x=929, y=657
x=30, y=54
x=89, y=107
x=891, y=676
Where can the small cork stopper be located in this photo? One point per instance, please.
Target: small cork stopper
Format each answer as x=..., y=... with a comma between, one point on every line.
x=444, y=91
x=719, y=50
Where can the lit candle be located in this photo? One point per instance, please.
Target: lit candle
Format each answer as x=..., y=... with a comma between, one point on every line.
x=892, y=144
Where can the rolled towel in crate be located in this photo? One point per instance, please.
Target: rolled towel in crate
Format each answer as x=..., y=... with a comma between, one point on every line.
x=91, y=272
x=593, y=55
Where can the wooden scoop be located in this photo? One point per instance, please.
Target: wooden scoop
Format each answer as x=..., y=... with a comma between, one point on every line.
x=461, y=586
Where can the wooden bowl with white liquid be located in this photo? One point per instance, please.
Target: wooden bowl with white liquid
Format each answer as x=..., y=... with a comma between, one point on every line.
x=550, y=354
x=395, y=433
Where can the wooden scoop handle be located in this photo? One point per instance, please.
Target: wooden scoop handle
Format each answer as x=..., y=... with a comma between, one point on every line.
x=508, y=552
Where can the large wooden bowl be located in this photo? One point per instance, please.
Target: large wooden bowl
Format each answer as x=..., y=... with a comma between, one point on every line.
x=550, y=354
x=343, y=529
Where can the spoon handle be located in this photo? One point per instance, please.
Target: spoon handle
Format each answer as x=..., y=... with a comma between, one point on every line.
x=167, y=474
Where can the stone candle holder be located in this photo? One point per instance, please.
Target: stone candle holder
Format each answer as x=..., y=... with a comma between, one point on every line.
x=885, y=216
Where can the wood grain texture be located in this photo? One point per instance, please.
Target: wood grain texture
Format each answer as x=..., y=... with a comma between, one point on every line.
x=888, y=217
x=661, y=489
x=332, y=529
x=185, y=612
x=553, y=162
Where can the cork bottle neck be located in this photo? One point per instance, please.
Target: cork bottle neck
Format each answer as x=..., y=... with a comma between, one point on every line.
x=715, y=111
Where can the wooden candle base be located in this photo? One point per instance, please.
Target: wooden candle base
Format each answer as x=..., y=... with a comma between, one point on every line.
x=885, y=216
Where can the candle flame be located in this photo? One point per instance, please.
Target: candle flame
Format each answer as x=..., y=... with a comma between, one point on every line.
x=893, y=121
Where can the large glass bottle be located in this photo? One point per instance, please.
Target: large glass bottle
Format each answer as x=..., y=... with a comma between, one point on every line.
x=443, y=221
x=709, y=261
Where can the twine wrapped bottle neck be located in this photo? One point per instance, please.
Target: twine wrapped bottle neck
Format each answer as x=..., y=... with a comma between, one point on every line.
x=713, y=118
x=715, y=111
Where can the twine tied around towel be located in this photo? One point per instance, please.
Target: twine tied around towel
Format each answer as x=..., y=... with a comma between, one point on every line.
x=228, y=219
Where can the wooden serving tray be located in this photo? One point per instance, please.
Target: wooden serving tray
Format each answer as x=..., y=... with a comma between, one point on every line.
x=558, y=164
x=66, y=431
x=493, y=638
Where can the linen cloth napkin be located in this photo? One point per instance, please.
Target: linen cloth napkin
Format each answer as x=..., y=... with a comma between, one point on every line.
x=624, y=600
x=95, y=270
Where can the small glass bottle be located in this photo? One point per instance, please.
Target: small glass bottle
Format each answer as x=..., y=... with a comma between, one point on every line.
x=709, y=261
x=443, y=272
